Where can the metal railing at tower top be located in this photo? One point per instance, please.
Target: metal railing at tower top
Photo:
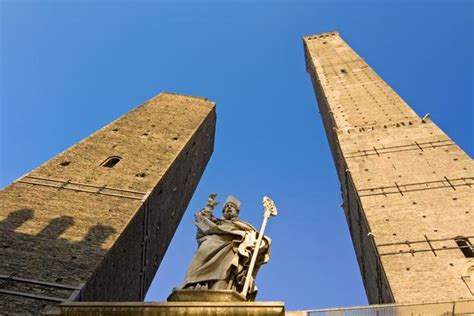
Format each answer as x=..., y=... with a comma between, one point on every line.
x=461, y=307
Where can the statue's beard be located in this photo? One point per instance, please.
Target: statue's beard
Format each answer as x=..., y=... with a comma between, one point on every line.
x=229, y=216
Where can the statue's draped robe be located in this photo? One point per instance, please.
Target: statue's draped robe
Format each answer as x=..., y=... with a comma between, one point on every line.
x=224, y=252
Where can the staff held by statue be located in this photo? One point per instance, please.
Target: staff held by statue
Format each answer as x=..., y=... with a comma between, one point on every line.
x=269, y=210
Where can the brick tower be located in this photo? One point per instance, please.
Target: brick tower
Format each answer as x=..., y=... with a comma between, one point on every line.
x=94, y=222
x=406, y=186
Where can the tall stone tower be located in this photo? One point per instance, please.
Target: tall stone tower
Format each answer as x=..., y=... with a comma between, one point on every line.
x=407, y=188
x=94, y=222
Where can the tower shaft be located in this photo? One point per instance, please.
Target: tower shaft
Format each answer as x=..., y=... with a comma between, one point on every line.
x=406, y=186
x=94, y=222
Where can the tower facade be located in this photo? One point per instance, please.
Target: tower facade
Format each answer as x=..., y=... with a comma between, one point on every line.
x=407, y=188
x=94, y=222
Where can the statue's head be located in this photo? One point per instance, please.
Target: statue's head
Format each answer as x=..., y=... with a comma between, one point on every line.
x=231, y=207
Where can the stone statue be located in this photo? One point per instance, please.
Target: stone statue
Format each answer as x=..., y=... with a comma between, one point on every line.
x=225, y=249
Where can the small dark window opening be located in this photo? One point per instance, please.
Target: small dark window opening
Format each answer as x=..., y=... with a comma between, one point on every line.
x=465, y=246
x=343, y=71
x=111, y=161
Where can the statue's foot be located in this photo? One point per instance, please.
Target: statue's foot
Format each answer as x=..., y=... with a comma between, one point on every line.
x=220, y=285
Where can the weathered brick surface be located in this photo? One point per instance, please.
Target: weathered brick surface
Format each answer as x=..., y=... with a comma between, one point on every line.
x=107, y=228
x=406, y=186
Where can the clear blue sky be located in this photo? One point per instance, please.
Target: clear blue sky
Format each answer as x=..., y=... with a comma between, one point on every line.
x=70, y=67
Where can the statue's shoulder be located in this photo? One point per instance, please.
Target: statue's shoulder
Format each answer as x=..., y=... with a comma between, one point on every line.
x=206, y=224
x=243, y=225
x=207, y=214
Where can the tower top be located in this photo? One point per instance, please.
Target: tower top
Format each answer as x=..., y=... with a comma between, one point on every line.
x=185, y=96
x=321, y=36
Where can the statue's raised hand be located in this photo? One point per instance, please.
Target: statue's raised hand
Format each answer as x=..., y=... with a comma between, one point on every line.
x=211, y=200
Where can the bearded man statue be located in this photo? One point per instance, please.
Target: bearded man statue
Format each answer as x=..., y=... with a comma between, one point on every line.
x=225, y=248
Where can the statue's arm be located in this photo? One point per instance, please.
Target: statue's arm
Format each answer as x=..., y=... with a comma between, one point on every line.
x=207, y=211
x=206, y=222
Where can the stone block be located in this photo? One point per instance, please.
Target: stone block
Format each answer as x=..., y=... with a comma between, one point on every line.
x=173, y=309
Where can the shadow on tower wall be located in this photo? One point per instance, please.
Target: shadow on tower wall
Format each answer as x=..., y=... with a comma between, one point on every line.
x=36, y=269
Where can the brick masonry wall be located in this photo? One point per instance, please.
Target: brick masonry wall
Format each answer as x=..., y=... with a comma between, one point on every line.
x=406, y=186
x=73, y=222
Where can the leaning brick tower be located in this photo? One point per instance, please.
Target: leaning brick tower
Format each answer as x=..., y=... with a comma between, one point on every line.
x=94, y=222
x=407, y=188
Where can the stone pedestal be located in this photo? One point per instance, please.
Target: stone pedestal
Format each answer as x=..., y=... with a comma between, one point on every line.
x=174, y=308
x=180, y=295
x=180, y=303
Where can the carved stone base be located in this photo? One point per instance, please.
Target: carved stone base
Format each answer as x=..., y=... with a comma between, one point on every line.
x=180, y=295
x=173, y=308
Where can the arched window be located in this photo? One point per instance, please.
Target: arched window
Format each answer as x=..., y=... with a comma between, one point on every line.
x=111, y=161
x=465, y=246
